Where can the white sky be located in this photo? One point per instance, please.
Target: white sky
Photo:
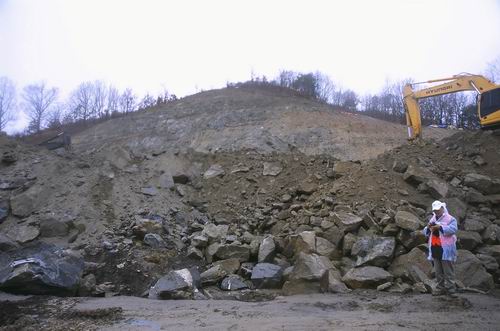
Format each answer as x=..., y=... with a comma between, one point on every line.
x=187, y=45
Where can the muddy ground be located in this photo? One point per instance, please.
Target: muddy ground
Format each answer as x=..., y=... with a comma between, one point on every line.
x=360, y=310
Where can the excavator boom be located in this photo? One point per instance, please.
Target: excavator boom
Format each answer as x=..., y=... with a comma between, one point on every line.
x=488, y=102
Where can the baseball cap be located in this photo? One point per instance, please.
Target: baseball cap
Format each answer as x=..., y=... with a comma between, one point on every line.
x=436, y=205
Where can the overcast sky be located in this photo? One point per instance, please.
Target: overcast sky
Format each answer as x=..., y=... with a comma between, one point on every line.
x=188, y=45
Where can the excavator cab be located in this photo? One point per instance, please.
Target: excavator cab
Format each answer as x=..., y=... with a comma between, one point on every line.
x=489, y=108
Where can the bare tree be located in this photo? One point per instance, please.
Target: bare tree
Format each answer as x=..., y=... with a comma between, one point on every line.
x=55, y=116
x=99, y=94
x=147, y=102
x=127, y=101
x=37, y=100
x=493, y=70
x=7, y=101
x=324, y=87
x=113, y=104
x=81, y=102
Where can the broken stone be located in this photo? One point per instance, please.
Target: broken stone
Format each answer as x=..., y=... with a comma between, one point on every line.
x=347, y=221
x=407, y=221
x=178, y=284
x=417, y=175
x=215, y=233
x=372, y=250
x=266, y=250
x=489, y=262
x=7, y=244
x=233, y=283
x=230, y=265
x=154, y=240
x=27, y=202
x=401, y=265
x=468, y=239
x=272, y=169
x=310, y=267
x=52, y=227
x=199, y=241
x=165, y=181
x=213, y=275
x=24, y=233
x=457, y=208
x=195, y=254
x=215, y=170
x=366, y=277
x=151, y=191
x=483, y=184
x=267, y=275
x=331, y=282
x=437, y=188
x=349, y=240
x=307, y=188
x=491, y=235
x=470, y=271
x=242, y=253
x=399, y=166
x=324, y=247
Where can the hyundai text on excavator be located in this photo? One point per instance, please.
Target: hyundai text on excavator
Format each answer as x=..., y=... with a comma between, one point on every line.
x=488, y=100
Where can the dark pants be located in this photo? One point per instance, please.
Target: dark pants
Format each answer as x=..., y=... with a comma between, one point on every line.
x=445, y=275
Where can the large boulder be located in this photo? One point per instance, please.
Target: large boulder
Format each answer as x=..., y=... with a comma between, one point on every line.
x=310, y=267
x=25, y=203
x=417, y=175
x=233, y=283
x=491, y=235
x=372, y=250
x=470, y=271
x=267, y=275
x=457, y=208
x=347, y=221
x=331, y=281
x=324, y=247
x=406, y=220
x=468, y=239
x=41, y=269
x=437, y=188
x=366, y=277
x=401, y=266
x=177, y=284
x=483, y=184
x=240, y=252
x=213, y=275
x=491, y=250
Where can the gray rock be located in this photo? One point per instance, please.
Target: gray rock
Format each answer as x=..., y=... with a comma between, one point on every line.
x=457, y=208
x=246, y=269
x=4, y=210
x=267, y=275
x=324, y=247
x=334, y=235
x=491, y=235
x=474, y=225
x=42, y=269
x=52, y=227
x=210, y=251
x=347, y=221
x=468, y=239
x=307, y=188
x=437, y=188
x=87, y=285
x=417, y=175
x=411, y=239
x=489, y=262
x=349, y=240
x=242, y=253
x=180, y=178
x=483, y=184
x=165, y=181
x=215, y=233
x=399, y=166
x=491, y=250
x=151, y=191
x=213, y=275
x=371, y=250
x=366, y=277
x=310, y=267
x=195, y=254
x=230, y=265
x=233, y=283
x=199, y=241
x=267, y=250
x=215, y=170
x=407, y=221
x=331, y=281
x=154, y=240
x=27, y=202
x=7, y=244
x=470, y=271
x=177, y=284
x=272, y=169
x=401, y=265
x=24, y=233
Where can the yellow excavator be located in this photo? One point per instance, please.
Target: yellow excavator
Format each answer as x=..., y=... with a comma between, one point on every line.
x=488, y=100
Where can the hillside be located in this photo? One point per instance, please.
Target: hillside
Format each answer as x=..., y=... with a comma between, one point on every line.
x=241, y=194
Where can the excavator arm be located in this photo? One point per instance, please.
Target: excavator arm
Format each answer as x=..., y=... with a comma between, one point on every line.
x=459, y=83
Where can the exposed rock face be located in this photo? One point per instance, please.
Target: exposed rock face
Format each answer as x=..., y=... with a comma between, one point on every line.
x=366, y=277
x=41, y=269
x=371, y=250
x=178, y=284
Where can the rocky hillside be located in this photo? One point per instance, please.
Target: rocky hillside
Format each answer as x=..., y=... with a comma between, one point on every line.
x=236, y=192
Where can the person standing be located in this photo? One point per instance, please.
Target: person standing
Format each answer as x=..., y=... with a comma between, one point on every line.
x=441, y=231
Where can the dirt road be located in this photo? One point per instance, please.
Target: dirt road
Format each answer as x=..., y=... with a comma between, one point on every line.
x=363, y=310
